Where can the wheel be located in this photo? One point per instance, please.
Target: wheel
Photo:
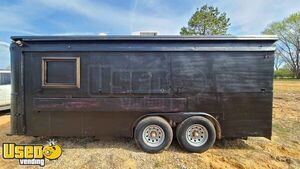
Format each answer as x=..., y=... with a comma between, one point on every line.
x=196, y=134
x=153, y=134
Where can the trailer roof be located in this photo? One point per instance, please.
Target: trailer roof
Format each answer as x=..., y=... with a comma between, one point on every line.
x=137, y=37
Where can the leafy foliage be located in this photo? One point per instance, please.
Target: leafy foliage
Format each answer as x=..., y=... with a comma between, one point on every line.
x=283, y=73
x=288, y=46
x=207, y=21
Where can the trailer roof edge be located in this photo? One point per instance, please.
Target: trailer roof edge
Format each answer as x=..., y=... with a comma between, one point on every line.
x=137, y=37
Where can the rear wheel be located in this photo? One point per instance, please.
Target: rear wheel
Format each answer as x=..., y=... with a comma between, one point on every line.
x=196, y=134
x=153, y=134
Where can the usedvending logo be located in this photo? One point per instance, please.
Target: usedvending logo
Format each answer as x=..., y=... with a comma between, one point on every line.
x=31, y=154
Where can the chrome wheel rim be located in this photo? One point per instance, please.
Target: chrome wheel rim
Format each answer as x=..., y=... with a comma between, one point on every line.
x=196, y=135
x=153, y=135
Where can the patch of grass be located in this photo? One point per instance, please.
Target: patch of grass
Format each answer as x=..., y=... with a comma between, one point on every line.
x=287, y=80
x=157, y=164
x=278, y=128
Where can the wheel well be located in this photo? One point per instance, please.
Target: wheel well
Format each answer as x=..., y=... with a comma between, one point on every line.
x=142, y=117
x=216, y=125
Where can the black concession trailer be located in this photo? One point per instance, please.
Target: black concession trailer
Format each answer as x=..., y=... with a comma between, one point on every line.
x=197, y=88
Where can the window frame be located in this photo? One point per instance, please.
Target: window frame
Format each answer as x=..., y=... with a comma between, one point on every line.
x=45, y=84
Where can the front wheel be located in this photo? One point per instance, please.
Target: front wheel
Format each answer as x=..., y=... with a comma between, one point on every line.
x=196, y=134
x=153, y=134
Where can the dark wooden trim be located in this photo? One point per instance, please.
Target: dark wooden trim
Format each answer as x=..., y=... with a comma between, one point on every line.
x=60, y=85
x=128, y=104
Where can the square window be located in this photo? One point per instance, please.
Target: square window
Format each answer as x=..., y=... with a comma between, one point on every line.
x=61, y=72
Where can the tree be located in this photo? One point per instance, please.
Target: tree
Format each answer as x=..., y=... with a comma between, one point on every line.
x=207, y=21
x=278, y=62
x=288, y=46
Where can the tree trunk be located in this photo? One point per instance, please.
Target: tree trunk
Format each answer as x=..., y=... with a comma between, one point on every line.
x=297, y=73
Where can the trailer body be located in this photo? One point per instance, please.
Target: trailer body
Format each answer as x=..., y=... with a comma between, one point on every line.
x=102, y=86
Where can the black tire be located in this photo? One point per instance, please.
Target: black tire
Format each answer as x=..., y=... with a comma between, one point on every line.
x=153, y=120
x=183, y=127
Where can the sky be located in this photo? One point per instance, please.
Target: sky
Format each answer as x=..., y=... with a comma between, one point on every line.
x=121, y=17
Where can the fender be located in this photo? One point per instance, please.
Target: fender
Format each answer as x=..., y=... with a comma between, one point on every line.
x=176, y=118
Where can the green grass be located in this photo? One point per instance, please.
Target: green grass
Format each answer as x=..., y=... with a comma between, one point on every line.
x=278, y=128
x=293, y=80
x=157, y=164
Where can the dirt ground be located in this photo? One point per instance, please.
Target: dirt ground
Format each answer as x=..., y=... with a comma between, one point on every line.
x=283, y=151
